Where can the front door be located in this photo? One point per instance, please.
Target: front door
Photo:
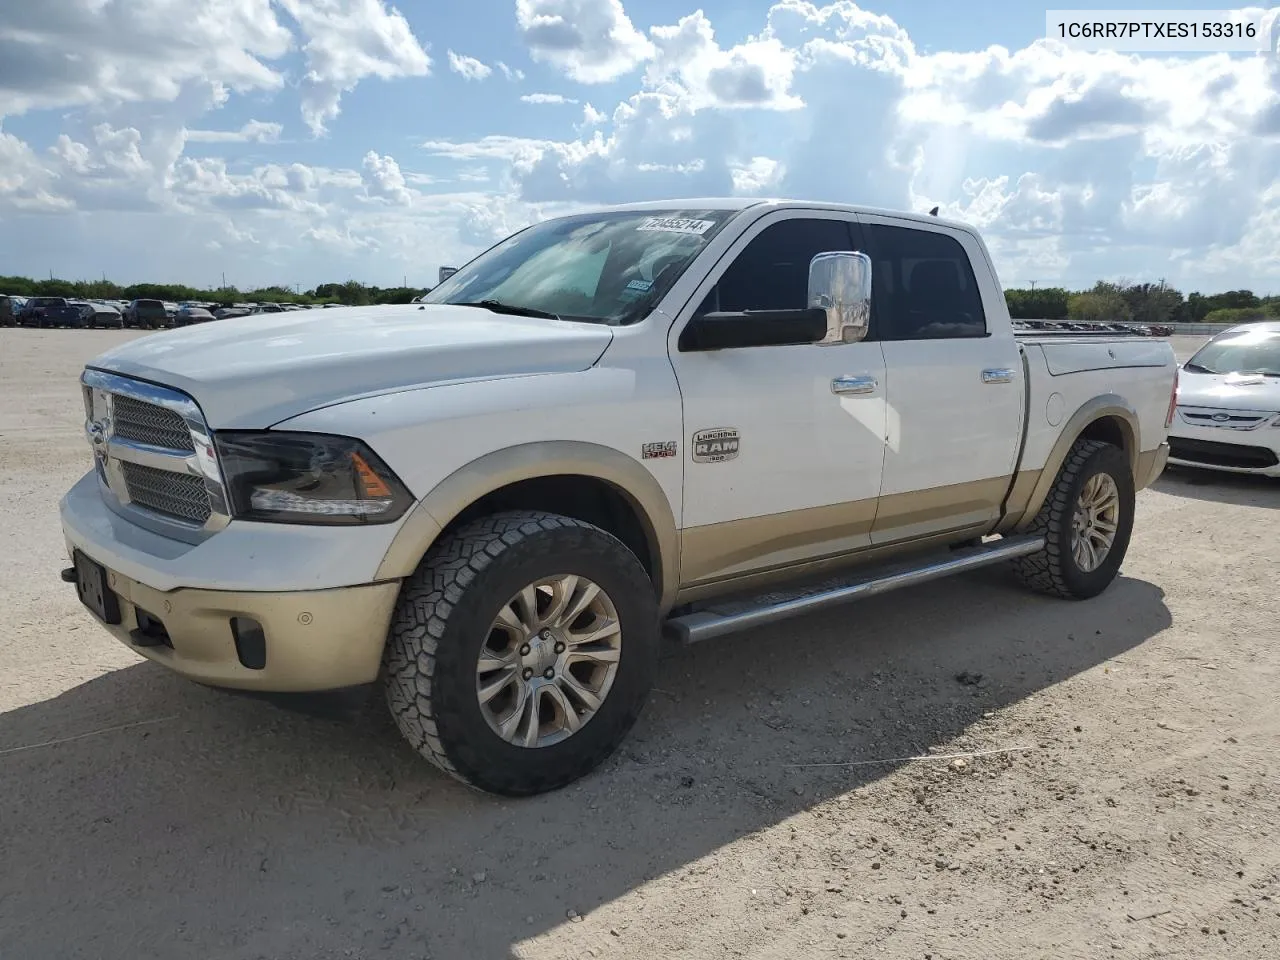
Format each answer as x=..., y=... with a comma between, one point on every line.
x=783, y=444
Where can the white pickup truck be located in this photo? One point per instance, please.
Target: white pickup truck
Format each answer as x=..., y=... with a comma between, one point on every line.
x=690, y=414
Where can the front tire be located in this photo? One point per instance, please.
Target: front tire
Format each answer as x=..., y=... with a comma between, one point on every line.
x=521, y=651
x=1086, y=521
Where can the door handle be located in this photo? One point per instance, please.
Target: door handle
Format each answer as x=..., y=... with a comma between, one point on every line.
x=999, y=375
x=846, y=386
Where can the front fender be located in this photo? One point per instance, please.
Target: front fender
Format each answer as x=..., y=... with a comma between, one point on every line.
x=502, y=468
x=453, y=444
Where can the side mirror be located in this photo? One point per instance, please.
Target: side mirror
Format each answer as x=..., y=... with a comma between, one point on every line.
x=840, y=285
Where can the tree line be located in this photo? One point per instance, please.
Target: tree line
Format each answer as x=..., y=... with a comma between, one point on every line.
x=350, y=294
x=1144, y=303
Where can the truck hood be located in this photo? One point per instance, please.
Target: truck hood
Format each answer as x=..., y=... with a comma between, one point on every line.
x=1230, y=391
x=251, y=372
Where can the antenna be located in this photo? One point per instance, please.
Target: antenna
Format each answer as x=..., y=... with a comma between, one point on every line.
x=933, y=212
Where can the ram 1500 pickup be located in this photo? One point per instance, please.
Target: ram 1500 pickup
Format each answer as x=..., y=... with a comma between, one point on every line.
x=689, y=415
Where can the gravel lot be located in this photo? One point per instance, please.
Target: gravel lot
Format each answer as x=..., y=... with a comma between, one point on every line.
x=760, y=809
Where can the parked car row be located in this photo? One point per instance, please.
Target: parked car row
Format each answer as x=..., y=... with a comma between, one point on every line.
x=1131, y=329
x=146, y=314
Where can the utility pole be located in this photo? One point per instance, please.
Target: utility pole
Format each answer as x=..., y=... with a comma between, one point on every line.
x=1033, y=284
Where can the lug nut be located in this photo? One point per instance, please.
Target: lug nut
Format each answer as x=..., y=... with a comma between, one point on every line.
x=546, y=634
x=524, y=650
x=559, y=648
x=549, y=673
x=528, y=672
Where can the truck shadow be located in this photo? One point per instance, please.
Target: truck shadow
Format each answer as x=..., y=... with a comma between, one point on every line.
x=1236, y=489
x=238, y=829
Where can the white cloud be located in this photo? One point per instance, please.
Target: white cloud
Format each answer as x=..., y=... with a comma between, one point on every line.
x=469, y=68
x=691, y=64
x=592, y=41
x=549, y=98
x=81, y=52
x=383, y=179
x=255, y=131
x=495, y=147
x=592, y=117
x=509, y=72
x=757, y=176
x=347, y=41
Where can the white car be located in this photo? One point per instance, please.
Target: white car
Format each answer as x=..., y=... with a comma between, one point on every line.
x=1228, y=415
x=652, y=416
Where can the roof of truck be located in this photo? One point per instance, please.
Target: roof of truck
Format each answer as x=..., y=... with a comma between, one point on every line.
x=742, y=203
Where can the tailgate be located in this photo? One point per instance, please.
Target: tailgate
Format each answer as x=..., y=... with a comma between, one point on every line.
x=1075, y=356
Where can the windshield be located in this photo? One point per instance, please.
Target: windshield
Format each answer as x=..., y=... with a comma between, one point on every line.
x=602, y=267
x=1249, y=351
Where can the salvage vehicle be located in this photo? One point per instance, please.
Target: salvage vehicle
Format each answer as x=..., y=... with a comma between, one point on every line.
x=72, y=314
x=33, y=311
x=1228, y=411
x=150, y=314
x=188, y=315
x=9, y=308
x=684, y=416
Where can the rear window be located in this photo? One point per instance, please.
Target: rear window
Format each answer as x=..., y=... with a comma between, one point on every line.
x=923, y=286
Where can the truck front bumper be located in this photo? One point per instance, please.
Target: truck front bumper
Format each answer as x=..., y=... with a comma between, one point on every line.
x=278, y=639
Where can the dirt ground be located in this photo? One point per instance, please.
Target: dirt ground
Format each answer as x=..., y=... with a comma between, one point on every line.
x=761, y=808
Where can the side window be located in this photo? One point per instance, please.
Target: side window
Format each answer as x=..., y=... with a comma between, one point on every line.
x=772, y=273
x=923, y=285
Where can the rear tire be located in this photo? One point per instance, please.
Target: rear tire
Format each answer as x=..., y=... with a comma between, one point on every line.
x=462, y=604
x=1091, y=501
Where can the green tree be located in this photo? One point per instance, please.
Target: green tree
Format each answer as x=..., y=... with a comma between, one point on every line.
x=1045, y=303
x=1151, y=302
x=1103, y=304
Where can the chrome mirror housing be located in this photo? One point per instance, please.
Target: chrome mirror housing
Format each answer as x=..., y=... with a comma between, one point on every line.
x=840, y=285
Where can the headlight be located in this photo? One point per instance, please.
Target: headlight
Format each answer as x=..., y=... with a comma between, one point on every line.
x=308, y=478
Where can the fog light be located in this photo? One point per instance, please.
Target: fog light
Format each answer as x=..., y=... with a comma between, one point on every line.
x=251, y=642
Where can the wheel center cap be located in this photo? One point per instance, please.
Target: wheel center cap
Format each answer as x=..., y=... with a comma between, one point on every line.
x=542, y=654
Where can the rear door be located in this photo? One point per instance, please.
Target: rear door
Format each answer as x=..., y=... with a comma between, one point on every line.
x=955, y=382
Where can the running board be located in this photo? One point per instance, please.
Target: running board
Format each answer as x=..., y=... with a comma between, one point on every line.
x=709, y=623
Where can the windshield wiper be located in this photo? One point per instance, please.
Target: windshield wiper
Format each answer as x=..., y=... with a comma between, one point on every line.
x=497, y=306
x=1196, y=368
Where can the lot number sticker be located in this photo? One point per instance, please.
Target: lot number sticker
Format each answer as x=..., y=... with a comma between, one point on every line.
x=677, y=225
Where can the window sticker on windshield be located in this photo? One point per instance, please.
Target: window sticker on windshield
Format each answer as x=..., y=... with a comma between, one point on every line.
x=641, y=286
x=677, y=225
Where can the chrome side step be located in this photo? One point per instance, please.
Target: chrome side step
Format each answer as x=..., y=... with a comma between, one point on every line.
x=709, y=623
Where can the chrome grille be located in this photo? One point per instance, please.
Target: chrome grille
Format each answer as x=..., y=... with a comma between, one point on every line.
x=154, y=456
x=145, y=422
x=1224, y=419
x=173, y=494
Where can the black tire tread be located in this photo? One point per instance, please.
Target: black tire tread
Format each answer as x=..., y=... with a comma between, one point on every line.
x=418, y=627
x=1042, y=571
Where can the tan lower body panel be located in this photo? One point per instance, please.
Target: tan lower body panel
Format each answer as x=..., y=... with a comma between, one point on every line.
x=921, y=513
x=315, y=639
x=718, y=551
x=780, y=545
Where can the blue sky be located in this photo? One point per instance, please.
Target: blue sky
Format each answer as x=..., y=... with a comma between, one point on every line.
x=299, y=141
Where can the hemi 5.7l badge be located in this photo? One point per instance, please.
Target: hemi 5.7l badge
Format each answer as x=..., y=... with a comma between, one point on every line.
x=715, y=446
